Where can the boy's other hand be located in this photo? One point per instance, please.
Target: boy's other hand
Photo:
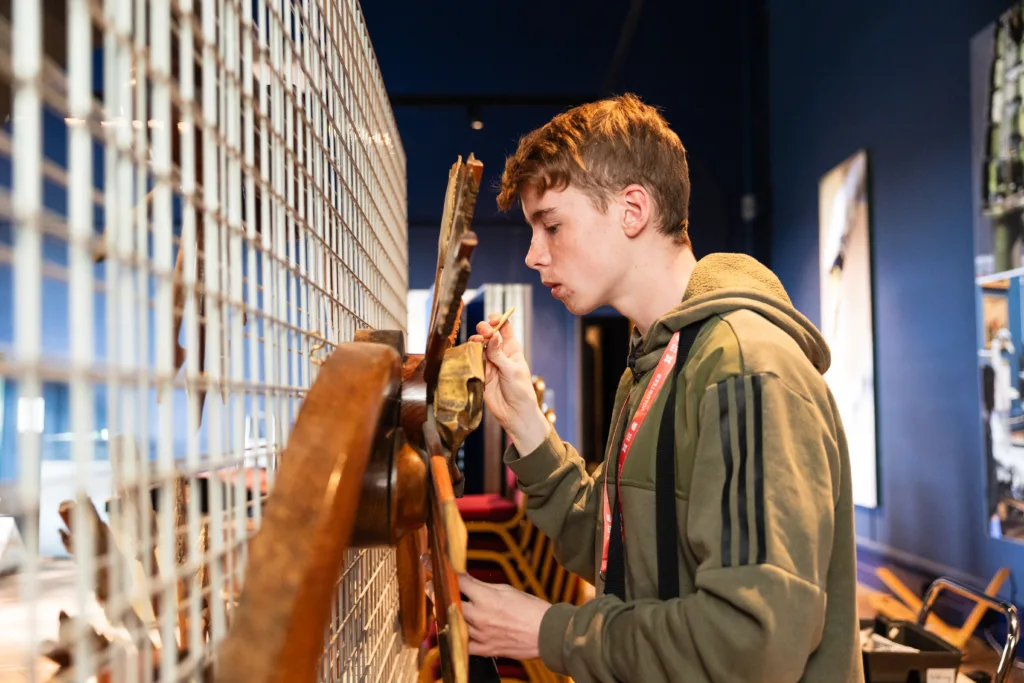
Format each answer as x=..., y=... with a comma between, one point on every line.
x=502, y=621
x=508, y=385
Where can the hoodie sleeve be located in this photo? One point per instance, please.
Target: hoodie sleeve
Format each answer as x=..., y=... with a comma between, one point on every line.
x=562, y=499
x=759, y=524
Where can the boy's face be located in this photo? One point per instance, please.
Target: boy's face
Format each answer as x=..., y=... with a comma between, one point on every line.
x=576, y=249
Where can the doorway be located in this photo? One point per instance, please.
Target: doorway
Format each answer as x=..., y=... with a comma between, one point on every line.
x=604, y=347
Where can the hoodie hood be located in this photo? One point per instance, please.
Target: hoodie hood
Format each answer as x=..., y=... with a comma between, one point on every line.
x=721, y=283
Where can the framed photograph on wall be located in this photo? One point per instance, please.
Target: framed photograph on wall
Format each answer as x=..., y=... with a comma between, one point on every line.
x=844, y=251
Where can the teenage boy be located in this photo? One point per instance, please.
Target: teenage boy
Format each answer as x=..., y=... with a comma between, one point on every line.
x=719, y=530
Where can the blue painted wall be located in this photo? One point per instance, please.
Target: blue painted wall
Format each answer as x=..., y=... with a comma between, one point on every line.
x=894, y=78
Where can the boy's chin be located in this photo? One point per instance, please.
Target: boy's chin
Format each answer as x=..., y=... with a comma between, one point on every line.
x=579, y=306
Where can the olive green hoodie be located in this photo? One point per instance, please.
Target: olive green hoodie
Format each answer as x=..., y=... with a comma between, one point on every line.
x=765, y=515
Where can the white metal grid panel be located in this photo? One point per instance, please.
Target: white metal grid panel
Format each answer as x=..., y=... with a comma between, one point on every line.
x=253, y=141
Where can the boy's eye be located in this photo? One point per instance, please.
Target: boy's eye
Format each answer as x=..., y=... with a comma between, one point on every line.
x=552, y=228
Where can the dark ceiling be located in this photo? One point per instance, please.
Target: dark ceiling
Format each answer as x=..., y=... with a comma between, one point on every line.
x=523, y=48
x=523, y=62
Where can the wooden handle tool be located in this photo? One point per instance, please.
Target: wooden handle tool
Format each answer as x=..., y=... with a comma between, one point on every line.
x=504, y=318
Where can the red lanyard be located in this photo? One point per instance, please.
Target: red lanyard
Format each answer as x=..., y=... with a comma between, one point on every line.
x=668, y=358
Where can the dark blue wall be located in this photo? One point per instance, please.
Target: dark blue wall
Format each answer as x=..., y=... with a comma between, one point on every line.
x=894, y=78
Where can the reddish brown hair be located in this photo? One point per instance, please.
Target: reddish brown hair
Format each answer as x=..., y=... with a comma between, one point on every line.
x=600, y=148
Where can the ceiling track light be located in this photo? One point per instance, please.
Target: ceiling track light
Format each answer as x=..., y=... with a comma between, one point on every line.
x=476, y=121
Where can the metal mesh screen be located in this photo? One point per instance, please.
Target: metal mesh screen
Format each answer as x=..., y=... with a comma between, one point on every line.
x=198, y=198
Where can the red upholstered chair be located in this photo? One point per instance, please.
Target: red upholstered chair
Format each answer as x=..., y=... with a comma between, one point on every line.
x=487, y=507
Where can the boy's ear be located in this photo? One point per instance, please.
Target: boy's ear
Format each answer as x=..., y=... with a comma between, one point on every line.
x=636, y=213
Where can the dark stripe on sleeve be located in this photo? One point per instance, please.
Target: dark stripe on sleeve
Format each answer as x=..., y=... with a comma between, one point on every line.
x=741, y=475
x=723, y=422
x=758, y=471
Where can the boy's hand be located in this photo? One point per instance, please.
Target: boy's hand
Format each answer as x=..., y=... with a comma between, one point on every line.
x=508, y=385
x=502, y=621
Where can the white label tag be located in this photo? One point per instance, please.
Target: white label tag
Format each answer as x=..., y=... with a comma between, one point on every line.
x=941, y=676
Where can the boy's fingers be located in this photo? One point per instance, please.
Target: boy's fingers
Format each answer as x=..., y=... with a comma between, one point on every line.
x=506, y=329
x=473, y=588
x=470, y=613
x=486, y=330
x=496, y=355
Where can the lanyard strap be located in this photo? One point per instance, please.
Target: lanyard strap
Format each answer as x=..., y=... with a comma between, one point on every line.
x=667, y=533
x=668, y=358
